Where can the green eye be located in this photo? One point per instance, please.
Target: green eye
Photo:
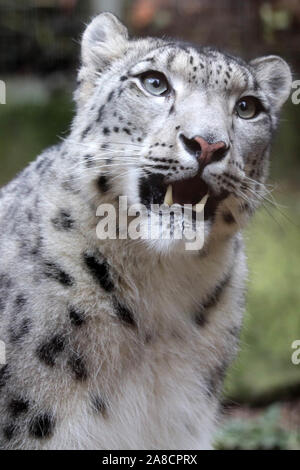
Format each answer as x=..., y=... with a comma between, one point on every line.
x=248, y=107
x=155, y=83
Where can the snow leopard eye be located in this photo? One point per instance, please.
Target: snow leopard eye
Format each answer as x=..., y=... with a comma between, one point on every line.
x=155, y=83
x=248, y=107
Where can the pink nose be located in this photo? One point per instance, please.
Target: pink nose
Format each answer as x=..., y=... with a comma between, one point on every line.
x=209, y=153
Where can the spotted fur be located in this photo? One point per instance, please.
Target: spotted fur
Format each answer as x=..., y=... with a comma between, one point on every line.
x=123, y=344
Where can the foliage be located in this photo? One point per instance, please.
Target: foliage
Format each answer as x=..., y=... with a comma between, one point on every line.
x=272, y=321
x=27, y=129
x=261, y=433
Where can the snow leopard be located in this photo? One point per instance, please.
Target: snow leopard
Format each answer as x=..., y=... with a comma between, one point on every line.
x=123, y=343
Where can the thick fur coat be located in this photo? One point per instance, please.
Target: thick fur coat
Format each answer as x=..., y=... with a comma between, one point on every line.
x=124, y=344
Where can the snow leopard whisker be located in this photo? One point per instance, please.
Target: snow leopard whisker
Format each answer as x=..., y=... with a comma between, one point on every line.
x=91, y=148
x=263, y=200
x=277, y=207
x=114, y=157
x=97, y=171
x=131, y=144
x=265, y=185
x=119, y=162
x=263, y=197
x=266, y=208
x=125, y=159
x=107, y=154
x=105, y=159
x=267, y=191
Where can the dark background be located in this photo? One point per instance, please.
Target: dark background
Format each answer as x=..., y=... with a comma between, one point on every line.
x=39, y=49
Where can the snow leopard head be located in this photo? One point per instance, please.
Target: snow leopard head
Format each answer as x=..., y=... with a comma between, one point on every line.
x=166, y=121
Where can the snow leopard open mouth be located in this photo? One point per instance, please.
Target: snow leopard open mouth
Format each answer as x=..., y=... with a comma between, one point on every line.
x=195, y=191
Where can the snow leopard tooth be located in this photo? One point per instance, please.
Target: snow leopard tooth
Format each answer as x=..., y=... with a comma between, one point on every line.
x=199, y=207
x=169, y=196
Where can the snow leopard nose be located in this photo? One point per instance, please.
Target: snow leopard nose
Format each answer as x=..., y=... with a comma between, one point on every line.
x=204, y=151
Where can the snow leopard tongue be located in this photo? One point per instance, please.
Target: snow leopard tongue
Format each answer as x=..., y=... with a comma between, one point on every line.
x=189, y=191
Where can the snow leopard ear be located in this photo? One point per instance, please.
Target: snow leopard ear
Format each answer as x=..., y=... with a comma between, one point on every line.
x=104, y=40
x=274, y=77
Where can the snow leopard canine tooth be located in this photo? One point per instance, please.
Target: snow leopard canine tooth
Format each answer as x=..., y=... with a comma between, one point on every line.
x=199, y=207
x=169, y=196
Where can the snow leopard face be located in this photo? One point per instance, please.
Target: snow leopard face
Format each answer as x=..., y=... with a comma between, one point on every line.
x=162, y=121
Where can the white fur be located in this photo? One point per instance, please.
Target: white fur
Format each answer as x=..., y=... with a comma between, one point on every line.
x=160, y=379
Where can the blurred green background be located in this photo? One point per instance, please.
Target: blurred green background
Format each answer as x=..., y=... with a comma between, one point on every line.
x=39, y=47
